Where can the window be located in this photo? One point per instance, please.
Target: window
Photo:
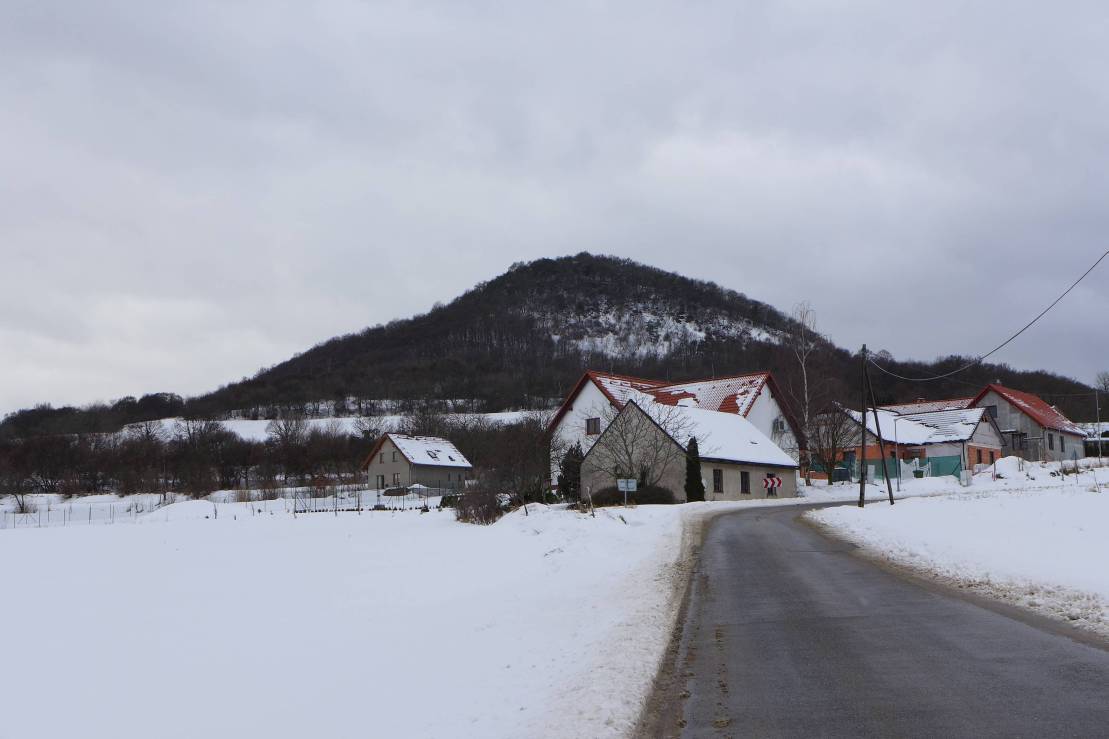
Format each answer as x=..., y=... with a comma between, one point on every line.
x=396, y=478
x=745, y=482
x=992, y=410
x=779, y=425
x=381, y=482
x=717, y=481
x=1051, y=442
x=394, y=456
x=979, y=451
x=592, y=426
x=1062, y=443
x=382, y=461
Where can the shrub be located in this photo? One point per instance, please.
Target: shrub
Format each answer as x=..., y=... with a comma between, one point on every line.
x=481, y=506
x=648, y=495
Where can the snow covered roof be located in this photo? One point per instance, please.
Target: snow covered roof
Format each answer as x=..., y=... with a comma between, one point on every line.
x=724, y=436
x=1035, y=407
x=430, y=451
x=926, y=406
x=1092, y=431
x=619, y=387
x=735, y=395
x=727, y=394
x=933, y=427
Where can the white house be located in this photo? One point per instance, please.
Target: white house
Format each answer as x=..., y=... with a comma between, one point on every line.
x=735, y=456
x=598, y=396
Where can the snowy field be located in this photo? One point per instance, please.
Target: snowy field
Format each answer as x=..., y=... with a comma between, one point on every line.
x=379, y=624
x=1032, y=539
x=173, y=621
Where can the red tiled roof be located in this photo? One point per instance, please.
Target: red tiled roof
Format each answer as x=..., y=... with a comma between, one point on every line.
x=614, y=387
x=1035, y=407
x=734, y=394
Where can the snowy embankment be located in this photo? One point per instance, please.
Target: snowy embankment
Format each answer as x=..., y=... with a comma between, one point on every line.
x=1039, y=543
x=379, y=624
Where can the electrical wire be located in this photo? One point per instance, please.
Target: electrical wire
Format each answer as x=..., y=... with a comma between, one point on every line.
x=1000, y=346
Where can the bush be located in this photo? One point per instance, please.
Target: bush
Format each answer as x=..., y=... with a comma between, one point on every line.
x=449, y=501
x=481, y=506
x=649, y=495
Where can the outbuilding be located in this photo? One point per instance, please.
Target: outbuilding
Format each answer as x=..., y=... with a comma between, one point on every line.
x=1031, y=428
x=930, y=443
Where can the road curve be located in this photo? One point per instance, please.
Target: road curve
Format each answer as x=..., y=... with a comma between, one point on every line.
x=787, y=634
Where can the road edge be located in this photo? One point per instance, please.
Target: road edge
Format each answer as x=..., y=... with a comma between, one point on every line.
x=661, y=708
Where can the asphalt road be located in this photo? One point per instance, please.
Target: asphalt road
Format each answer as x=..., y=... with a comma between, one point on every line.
x=787, y=634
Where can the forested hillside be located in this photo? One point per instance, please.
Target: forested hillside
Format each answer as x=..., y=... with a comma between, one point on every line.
x=522, y=339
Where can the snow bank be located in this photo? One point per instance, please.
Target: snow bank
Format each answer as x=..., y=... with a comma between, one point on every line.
x=1038, y=548
x=548, y=623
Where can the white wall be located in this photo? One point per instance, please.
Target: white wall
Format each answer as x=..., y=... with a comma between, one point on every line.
x=589, y=403
x=764, y=412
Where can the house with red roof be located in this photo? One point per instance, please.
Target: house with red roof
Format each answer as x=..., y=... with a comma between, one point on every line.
x=599, y=396
x=1031, y=428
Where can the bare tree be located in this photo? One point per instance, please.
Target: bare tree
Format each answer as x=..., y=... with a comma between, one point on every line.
x=370, y=428
x=426, y=419
x=1102, y=383
x=832, y=433
x=803, y=340
x=639, y=442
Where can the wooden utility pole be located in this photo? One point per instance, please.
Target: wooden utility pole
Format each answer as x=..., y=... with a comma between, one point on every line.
x=878, y=430
x=862, y=437
x=1097, y=431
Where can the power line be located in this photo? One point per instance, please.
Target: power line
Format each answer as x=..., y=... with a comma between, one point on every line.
x=1000, y=346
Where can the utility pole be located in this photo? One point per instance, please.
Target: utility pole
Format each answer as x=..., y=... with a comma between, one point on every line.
x=878, y=431
x=1097, y=411
x=862, y=438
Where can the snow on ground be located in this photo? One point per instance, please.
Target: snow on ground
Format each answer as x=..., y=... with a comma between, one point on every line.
x=255, y=430
x=380, y=624
x=216, y=618
x=1031, y=539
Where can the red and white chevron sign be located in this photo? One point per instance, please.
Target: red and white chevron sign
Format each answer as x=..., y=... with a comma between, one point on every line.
x=771, y=482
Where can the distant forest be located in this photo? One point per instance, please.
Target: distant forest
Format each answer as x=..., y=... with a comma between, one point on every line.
x=521, y=341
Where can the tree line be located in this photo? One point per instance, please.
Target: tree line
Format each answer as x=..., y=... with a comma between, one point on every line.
x=197, y=457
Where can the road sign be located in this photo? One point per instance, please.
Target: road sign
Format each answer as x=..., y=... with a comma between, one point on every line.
x=627, y=486
x=771, y=483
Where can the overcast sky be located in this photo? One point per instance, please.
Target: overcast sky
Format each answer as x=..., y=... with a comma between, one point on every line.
x=195, y=190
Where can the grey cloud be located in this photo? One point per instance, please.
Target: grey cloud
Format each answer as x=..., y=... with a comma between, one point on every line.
x=200, y=189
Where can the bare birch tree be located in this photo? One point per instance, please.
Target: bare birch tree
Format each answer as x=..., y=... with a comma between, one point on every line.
x=803, y=340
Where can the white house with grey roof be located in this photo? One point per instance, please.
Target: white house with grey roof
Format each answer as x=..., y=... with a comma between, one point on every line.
x=402, y=460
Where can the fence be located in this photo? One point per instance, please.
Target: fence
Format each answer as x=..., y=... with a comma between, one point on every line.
x=335, y=498
x=45, y=515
